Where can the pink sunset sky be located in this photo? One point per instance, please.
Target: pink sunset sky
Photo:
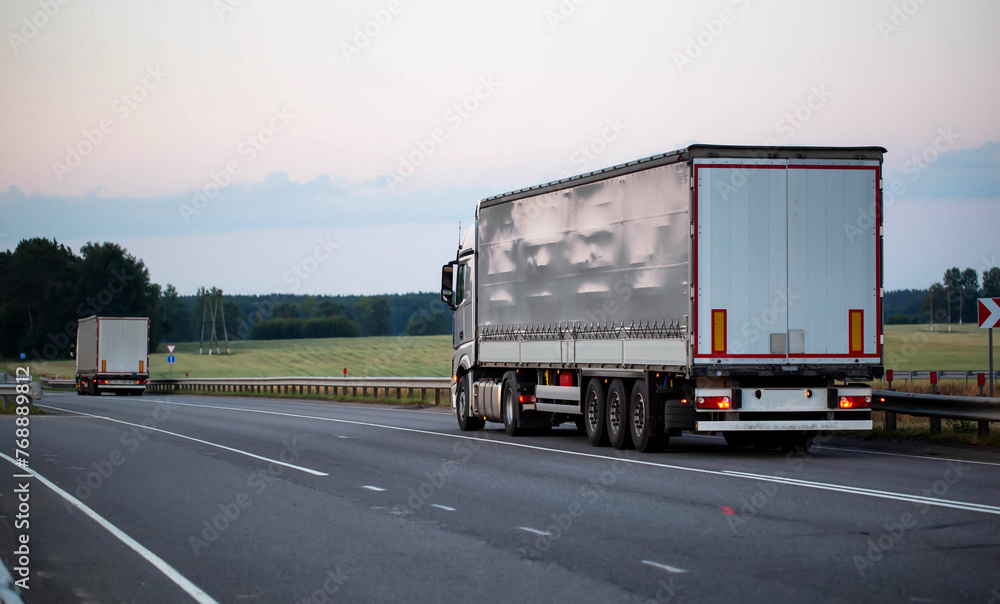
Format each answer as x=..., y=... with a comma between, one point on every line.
x=226, y=143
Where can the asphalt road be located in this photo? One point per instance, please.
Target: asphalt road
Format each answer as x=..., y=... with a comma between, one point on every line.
x=255, y=500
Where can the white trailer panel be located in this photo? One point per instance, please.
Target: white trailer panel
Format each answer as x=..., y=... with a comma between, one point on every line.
x=787, y=261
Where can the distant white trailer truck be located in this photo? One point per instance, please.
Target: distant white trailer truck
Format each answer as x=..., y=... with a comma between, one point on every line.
x=112, y=355
x=712, y=289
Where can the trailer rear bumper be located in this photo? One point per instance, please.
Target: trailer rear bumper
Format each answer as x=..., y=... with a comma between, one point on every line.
x=784, y=424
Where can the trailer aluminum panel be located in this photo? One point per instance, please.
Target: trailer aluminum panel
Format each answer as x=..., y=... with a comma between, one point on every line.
x=606, y=260
x=122, y=345
x=787, y=261
x=86, y=345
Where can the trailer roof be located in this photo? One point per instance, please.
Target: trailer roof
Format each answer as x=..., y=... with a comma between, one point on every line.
x=687, y=154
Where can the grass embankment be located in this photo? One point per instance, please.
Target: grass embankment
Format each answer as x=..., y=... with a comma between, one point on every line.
x=418, y=356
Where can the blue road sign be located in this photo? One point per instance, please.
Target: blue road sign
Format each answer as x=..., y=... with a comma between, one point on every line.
x=23, y=356
x=171, y=359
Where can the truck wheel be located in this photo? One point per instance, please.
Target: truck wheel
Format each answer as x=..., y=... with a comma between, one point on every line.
x=645, y=420
x=92, y=389
x=618, y=430
x=737, y=439
x=79, y=388
x=595, y=413
x=463, y=409
x=508, y=405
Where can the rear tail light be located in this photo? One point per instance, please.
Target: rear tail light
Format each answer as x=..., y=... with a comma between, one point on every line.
x=526, y=398
x=715, y=402
x=855, y=402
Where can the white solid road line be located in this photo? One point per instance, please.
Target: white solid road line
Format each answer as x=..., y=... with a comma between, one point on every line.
x=945, y=503
x=873, y=452
x=535, y=531
x=371, y=488
x=958, y=505
x=197, y=440
x=442, y=507
x=169, y=571
x=669, y=569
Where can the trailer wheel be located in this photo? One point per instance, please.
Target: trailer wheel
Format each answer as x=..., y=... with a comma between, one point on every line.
x=646, y=421
x=462, y=408
x=79, y=388
x=508, y=405
x=618, y=415
x=595, y=413
x=92, y=388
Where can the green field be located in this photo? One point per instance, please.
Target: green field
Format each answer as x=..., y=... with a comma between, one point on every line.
x=908, y=347
x=418, y=356
x=915, y=347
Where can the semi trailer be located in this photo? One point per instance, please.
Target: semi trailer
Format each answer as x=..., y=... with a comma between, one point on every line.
x=112, y=355
x=714, y=289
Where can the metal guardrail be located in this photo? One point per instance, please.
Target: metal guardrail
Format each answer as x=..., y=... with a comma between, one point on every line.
x=975, y=408
x=9, y=393
x=942, y=375
x=327, y=386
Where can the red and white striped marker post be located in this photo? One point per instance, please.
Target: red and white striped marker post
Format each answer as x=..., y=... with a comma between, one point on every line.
x=989, y=317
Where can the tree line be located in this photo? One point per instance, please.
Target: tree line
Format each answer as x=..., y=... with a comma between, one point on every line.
x=951, y=300
x=45, y=288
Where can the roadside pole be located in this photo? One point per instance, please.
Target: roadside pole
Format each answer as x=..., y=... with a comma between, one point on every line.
x=989, y=317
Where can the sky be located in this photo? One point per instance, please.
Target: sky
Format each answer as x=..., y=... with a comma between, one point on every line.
x=335, y=147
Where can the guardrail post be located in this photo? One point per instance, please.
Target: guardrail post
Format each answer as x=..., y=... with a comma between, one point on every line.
x=934, y=381
x=399, y=393
x=935, y=426
x=890, y=421
x=984, y=430
x=437, y=396
x=354, y=391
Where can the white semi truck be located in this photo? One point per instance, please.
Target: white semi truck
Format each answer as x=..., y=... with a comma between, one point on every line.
x=712, y=289
x=112, y=355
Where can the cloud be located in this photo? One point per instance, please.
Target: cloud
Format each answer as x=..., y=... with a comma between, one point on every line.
x=274, y=202
x=964, y=174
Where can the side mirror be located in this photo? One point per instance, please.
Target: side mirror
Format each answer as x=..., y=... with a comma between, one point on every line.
x=447, y=284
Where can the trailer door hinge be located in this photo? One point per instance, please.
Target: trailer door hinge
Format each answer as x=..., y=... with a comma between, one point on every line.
x=692, y=230
x=692, y=293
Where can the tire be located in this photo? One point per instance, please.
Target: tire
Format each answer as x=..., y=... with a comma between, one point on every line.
x=645, y=420
x=799, y=442
x=595, y=413
x=463, y=408
x=92, y=389
x=508, y=405
x=737, y=439
x=79, y=389
x=618, y=422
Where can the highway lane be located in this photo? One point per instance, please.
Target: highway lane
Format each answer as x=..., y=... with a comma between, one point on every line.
x=387, y=504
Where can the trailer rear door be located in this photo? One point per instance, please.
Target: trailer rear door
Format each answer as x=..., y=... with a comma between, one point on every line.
x=787, y=261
